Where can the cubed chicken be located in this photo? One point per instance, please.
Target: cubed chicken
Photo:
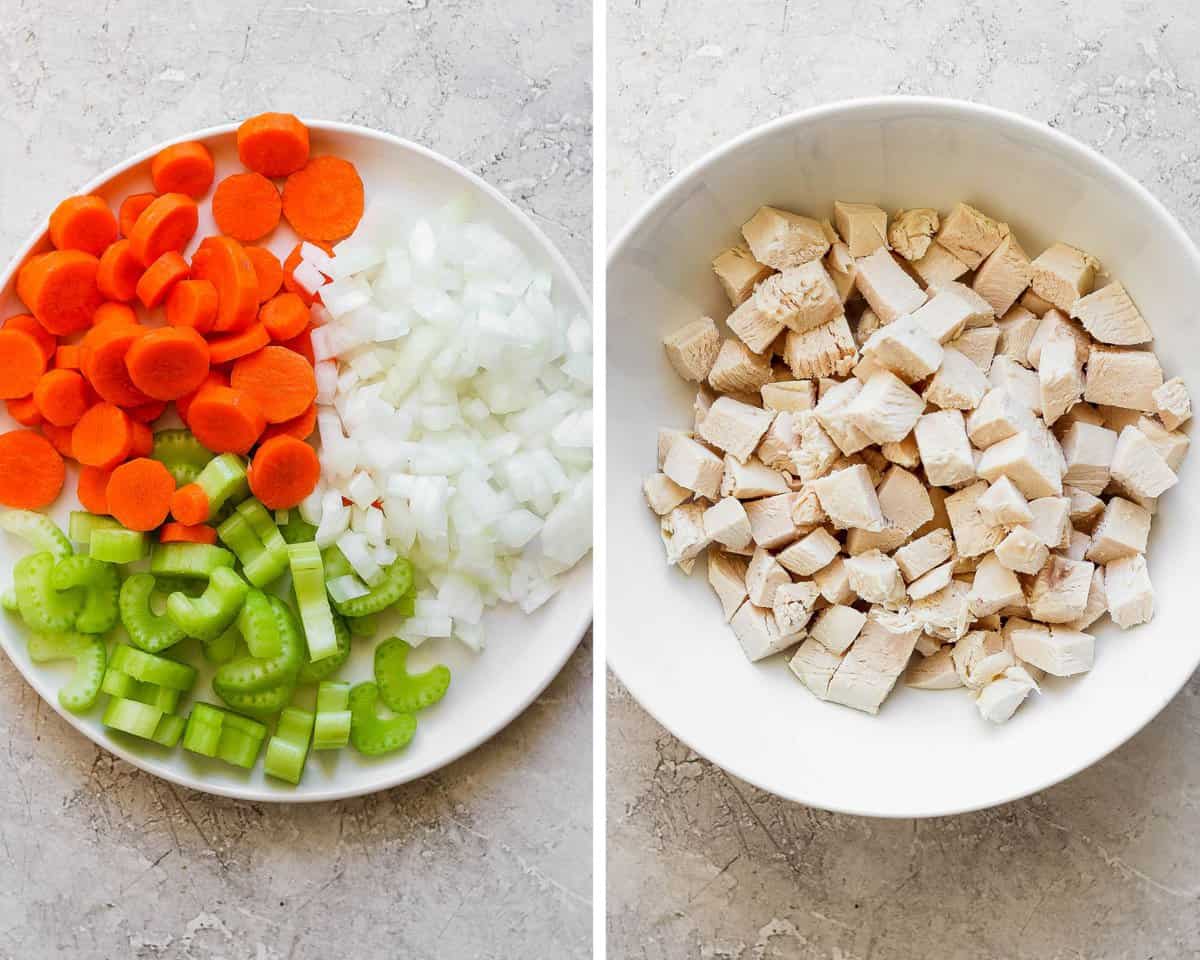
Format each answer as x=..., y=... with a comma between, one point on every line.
x=945, y=614
x=932, y=582
x=1051, y=522
x=663, y=494
x=750, y=480
x=800, y=298
x=973, y=536
x=1122, y=378
x=817, y=452
x=1022, y=551
x=1018, y=382
x=875, y=661
x=934, y=672
x=726, y=523
x=832, y=414
x=758, y=633
x=1055, y=325
x=833, y=580
x=1062, y=274
x=875, y=577
x=815, y=666
x=810, y=553
x=903, y=453
x=885, y=409
x=1128, y=590
x=1060, y=590
x=978, y=345
x=938, y=265
x=1060, y=378
x=1004, y=275
x=911, y=232
x=1172, y=445
x=755, y=328
x=922, y=555
x=887, y=288
x=790, y=395
x=849, y=498
x=735, y=427
x=998, y=417
x=1122, y=531
x=771, y=522
x=823, y=351
x=1017, y=327
x=1058, y=650
x=950, y=310
x=1138, y=468
x=692, y=349
x=958, y=384
x=1003, y=505
x=763, y=577
x=1026, y=461
x=1110, y=316
x=692, y=465
x=739, y=273
x=727, y=577
x=862, y=225
x=980, y=657
x=905, y=348
x=1172, y=403
x=999, y=700
x=683, y=533
x=995, y=587
x=794, y=605
x=945, y=451
x=781, y=239
x=970, y=235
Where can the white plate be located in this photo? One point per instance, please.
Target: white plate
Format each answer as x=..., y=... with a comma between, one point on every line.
x=926, y=753
x=524, y=653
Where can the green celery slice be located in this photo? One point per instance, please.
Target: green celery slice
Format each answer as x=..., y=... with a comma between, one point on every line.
x=308, y=580
x=38, y=530
x=181, y=453
x=129, y=716
x=250, y=674
x=314, y=671
x=117, y=546
x=208, y=616
x=147, y=630
x=372, y=734
x=150, y=668
x=100, y=584
x=194, y=561
x=8, y=601
x=89, y=653
x=43, y=608
x=405, y=692
x=260, y=703
x=331, y=728
x=223, y=648
x=81, y=525
x=223, y=480
x=396, y=583
x=287, y=750
x=169, y=730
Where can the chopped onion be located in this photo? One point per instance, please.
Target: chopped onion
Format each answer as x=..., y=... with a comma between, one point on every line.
x=348, y=587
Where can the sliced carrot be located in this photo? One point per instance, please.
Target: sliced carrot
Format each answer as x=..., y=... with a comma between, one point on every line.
x=189, y=505
x=31, y=470
x=187, y=533
x=273, y=144
x=139, y=493
x=284, y=316
x=324, y=201
x=192, y=303
x=147, y=412
x=168, y=362
x=283, y=472
x=59, y=288
x=60, y=438
x=27, y=322
x=282, y=382
x=183, y=168
x=102, y=355
x=131, y=208
x=119, y=271
x=302, y=345
x=289, y=274
x=300, y=427
x=225, y=420
x=83, y=223
x=24, y=410
x=114, y=313
x=143, y=439
x=22, y=363
x=223, y=262
x=66, y=357
x=268, y=270
x=168, y=223
x=224, y=349
x=246, y=206
x=103, y=436
x=215, y=378
x=160, y=277
x=61, y=397
x=93, y=482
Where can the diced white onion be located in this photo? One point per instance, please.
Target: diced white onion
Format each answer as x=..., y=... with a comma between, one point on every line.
x=347, y=587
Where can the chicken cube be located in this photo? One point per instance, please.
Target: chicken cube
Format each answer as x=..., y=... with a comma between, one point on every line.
x=1055, y=325
x=663, y=494
x=735, y=427
x=817, y=452
x=842, y=271
x=1058, y=650
x=758, y=633
x=833, y=580
x=951, y=309
x=1035, y=304
x=794, y=606
x=1078, y=544
x=692, y=465
x=922, y=555
x=753, y=326
x=995, y=587
x=973, y=536
x=998, y=417
x=1173, y=404
x=1026, y=461
x=807, y=510
x=1085, y=508
x=904, y=500
x=945, y=614
x=1017, y=327
x=938, y=265
x=905, y=348
x=980, y=657
x=911, y=232
x=934, y=672
x=1122, y=531
x=726, y=523
x=1060, y=378
x=970, y=235
x=1172, y=445
x=958, y=383
x=837, y=627
x=781, y=438
x=810, y=553
x=666, y=437
x=875, y=577
x=739, y=273
x=771, y=522
x=1137, y=468
x=1004, y=275
x=1063, y=274
x=700, y=406
x=790, y=395
x=1097, y=603
x=683, y=533
x=931, y=582
x=1110, y=316
x=849, y=497
x=875, y=661
x=750, y=480
x=781, y=239
x=1051, y=521
x=727, y=577
x=1022, y=551
x=763, y=577
x=887, y=288
x=999, y=699
x=1089, y=451
x=815, y=666
x=1018, y=382
x=1060, y=590
x=1003, y=505
x=692, y=349
x=945, y=451
x=978, y=345
x=800, y=298
x=903, y=453
x=1128, y=590
x=885, y=409
x=823, y=351
x=831, y=414
x=1122, y=378
x=863, y=225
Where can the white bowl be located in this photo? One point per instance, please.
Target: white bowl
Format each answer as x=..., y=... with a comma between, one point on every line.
x=524, y=653
x=926, y=753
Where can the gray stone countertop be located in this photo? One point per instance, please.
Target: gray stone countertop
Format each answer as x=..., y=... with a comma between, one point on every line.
x=98, y=860
x=701, y=865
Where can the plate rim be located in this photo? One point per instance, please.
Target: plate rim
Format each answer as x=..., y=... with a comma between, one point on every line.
x=946, y=106
x=584, y=618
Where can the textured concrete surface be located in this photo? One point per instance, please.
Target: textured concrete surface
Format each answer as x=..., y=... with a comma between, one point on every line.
x=98, y=860
x=701, y=865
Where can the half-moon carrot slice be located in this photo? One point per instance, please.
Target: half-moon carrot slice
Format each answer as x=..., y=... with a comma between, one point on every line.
x=91, y=487
x=224, y=349
x=160, y=277
x=269, y=271
x=168, y=223
x=59, y=288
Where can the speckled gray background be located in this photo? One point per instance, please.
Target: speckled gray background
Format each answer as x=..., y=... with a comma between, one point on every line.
x=489, y=858
x=704, y=866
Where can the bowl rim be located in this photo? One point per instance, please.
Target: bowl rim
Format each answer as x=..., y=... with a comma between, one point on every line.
x=941, y=106
x=584, y=620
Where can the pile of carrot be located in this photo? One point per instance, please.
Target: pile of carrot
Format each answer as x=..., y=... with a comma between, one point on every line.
x=121, y=323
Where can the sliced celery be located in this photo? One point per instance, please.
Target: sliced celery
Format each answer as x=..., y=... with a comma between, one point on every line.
x=260, y=703
x=250, y=674
x=372, y=734
x=363, y=626
x=213, y=732
x=117, y=546
x=169, y=730
x=287, y=750
x=150, y=668
x=146, y=629
x=252, y=535
x=202, y=734
x=308, y=580
x=191, y=560
x=296, y=529
x=42, y=607
x=314, y=671
x=100, y=585
x=118, y=684
x=129, y=716
x=405, y=692
x=396, y=583
x=207, y=616
x=331, y=728
x=181, y=453
x=81, y=525
x=223, y=480
x=38, y=530
x=88, y=652
x=223, y=648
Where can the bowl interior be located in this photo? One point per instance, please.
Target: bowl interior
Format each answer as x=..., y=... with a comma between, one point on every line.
x=523, y=653
x=926, y=753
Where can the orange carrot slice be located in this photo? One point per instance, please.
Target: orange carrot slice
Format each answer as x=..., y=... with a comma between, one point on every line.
x=324, y=201
x=300, y=427
x=273, y=144
x=168, y=223
x=223, y=262
x=302, y=345
x=62, y=397
x=119, y=272
x=187, y=533
x=66, y=357
x=60, y=438
x=27, y=323
x=224, y=349
x=31, y=470
x=160, y=277
x=168, y=362
x=102, y=358
x=215, y=378
x=131, y=208
x=284, y=316
x=139, y=493
x=102, y=437
x=24, y=410
x=282, y=382
x=111, y=312
x=93, y=482
x=269, y=271
x=189, y=505
x=246, y=206
x=142, y=439
x=147, y=412
x=83, y=223
x=22, y=363
x=183, y=168
x=59, y=288
x=225, y=420
x=192, y=303
x=283, y=472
